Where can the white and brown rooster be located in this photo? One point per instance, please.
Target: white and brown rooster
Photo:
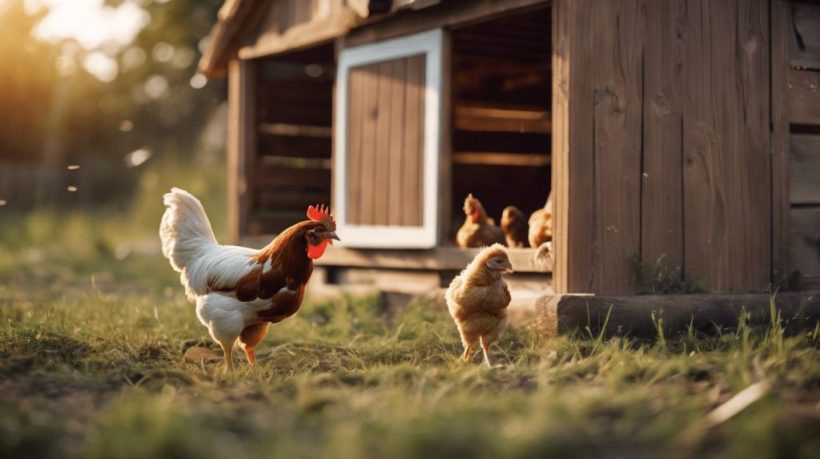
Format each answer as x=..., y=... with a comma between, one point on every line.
x=240, y=291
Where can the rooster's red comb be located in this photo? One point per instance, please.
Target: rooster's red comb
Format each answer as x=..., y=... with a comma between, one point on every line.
x=321, y=214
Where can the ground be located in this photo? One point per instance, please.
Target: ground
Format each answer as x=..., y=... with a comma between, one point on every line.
x=93, y=333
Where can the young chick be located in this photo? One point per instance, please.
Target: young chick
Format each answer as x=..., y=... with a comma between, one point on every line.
x=514, y=227
x=541, y=224
x=478, y=298
x=477, y=230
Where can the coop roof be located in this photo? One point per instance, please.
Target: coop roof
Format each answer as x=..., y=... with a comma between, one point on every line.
x=238, y=20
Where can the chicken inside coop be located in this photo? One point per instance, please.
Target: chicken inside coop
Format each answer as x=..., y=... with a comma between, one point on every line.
x=501, y=104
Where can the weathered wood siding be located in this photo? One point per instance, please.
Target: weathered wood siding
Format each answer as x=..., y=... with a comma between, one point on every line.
x=661, y=141
x=385, y=130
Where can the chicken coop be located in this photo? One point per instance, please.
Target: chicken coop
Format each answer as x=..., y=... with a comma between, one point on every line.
x=682, y=132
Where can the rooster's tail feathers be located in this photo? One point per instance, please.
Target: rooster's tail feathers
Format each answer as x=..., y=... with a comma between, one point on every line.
x=185, y=229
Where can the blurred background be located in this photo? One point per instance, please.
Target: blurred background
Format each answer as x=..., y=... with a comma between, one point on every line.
x=102, y=110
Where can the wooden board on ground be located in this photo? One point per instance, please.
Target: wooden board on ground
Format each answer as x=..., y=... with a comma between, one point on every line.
x=805, y=244
x=645, y=316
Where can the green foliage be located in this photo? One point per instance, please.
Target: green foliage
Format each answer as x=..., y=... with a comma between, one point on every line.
x=660, y=278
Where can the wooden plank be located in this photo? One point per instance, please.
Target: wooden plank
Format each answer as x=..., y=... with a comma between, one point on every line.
x=662, y=179
x=368, y=126
x=498, y=120
x=727, y=242
x=395, y=198
x=805, y=34
x=448, y=14
x=501, y=159
x=804, y=97
x=804, y=246
x=414, y=142
x=636, y=316
x=241, y=144
x=304, y=130
x=572, y=184
x=380, y=178
x=355, y=120
x=805, y=169
x=780, y=145
x=616, y=142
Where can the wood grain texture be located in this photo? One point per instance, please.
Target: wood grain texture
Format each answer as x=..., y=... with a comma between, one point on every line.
x=385, y=142
x=617, y=127
x=781, y=33
x=381, y=178
x=241, y=145
x=805, y=169
x=804, y=97
x=662, y=180
x=572, y=149
x=726, y=152
x=355, y=115
x=805, y=244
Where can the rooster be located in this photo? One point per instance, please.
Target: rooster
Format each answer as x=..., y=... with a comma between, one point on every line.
x=478, y=298
x=514, y=227
x=478, y=230
x=240, y=291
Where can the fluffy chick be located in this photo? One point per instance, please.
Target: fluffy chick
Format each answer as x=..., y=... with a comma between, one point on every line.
x=514, y=227
x=478, y=230
x=478, y=298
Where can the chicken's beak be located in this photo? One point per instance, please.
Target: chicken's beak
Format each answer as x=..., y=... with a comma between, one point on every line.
x=509, y=269
x=332, y=235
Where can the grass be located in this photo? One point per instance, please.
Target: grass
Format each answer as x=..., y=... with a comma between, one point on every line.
x=91, y=365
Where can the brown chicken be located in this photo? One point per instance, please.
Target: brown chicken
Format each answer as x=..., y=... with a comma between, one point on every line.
x=239, y=291
x=477, y=230
x=478, y=298
x=514, y=227
x=541, y=224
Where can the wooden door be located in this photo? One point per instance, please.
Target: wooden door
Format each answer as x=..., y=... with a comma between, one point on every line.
x=387, y=149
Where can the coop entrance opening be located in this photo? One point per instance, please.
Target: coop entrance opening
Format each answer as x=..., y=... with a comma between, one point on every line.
x=501, y=114
x=294, y=112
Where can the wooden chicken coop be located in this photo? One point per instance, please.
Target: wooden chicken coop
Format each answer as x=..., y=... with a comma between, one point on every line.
x=681, y=130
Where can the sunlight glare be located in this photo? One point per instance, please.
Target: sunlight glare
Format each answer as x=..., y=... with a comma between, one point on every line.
x=89, y=22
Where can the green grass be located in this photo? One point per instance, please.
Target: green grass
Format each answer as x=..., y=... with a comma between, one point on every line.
x=91, y=365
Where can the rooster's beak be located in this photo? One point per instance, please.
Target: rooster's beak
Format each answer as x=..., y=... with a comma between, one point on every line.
x=332, y=235
x=509, y=269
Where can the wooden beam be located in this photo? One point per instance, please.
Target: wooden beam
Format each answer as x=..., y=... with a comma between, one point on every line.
x=497, y=119
x=302, y=35
x=805, y=53
x=572, y=184
x=483, y=158
x=640, y=316
x=780, y=145
x=241, y=144
x=448, y=14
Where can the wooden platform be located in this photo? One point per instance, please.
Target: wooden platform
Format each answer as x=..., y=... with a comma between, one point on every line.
x=438, y=259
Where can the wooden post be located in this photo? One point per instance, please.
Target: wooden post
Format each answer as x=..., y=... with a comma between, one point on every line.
x=780, y=145
x=241, y=144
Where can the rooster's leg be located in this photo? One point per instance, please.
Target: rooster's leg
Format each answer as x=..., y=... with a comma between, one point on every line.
x=485, y=346
x=251, y=337
x=227, y=349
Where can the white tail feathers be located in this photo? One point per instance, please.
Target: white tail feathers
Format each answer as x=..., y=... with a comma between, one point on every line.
x=185, y=231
